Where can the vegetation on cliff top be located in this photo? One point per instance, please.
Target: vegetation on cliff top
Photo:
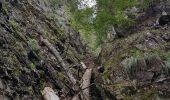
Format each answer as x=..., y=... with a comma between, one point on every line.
x=99, y=19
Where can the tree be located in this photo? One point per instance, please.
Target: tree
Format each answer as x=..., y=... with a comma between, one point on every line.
x=101, y=17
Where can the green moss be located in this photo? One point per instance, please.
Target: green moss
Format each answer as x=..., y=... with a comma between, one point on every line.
x=61, y=75
x=14, y=64
x=46, y=34
x=16, y=27
x=31, y=91
x=13, y=23
x=33, y=44
x=150, y=94
x=18, y=46
x=54, y=37
x=43, y=84
x=32, y=66
x=5, y=11
x=58, y=32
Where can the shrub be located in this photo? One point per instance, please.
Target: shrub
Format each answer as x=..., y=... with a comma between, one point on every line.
x=131, y=66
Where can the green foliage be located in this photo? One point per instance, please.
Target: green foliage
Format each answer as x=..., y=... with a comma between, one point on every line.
x=33, y=44
x=108, y=13
x=14, y=25
x=32, y=66
x=112, y=12
x=99, y=19
x=17, y=28
x=131, y=66
x=83, y=19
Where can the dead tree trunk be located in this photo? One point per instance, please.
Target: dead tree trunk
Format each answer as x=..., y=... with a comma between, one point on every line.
x=84, y=93
x=85, y=86
x=59, y=58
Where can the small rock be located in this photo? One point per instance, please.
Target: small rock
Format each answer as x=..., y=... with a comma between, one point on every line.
x=144, y=76
x=100, y=69
x=151, y=44
x=3, y=97
x=164, y=19
x=149, y=34
x=15, y=81
x=35, y=74
x=141, y=47
x=13, y=2
x=154, y=63
x=25, y=79
x=134, y=10
x=166, y=37
x=40, y=65
x=33, y=56
x=2, y=85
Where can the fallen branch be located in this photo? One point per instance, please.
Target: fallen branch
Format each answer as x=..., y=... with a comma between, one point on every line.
x=84, y=93
x=59, y=58
x=76, y=97
x=49, y=94
x=86, y=83
x=83, y=65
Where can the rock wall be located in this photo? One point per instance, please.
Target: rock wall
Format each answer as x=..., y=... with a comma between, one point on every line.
x=137, y=66
x=26, y=65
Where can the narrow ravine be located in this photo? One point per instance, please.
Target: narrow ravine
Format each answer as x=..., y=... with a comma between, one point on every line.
x=45, y=55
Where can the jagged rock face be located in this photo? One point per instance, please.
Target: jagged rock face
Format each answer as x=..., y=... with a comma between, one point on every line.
x=153, y=10
x=133, y=67
x=26, y=65
x=130, y=67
